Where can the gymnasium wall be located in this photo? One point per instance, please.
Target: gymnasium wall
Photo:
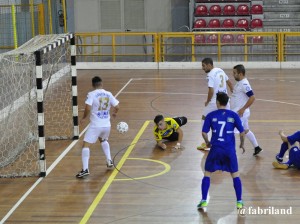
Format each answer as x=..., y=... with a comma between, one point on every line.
x=124, y=15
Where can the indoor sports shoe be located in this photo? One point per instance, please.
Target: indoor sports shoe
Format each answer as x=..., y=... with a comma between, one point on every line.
x=279, y=159
x=109, y=163
x=239, y=204
x=203, y=146
x=257, y=150
x=83, y=173
x=202, y=204
x=282, y=166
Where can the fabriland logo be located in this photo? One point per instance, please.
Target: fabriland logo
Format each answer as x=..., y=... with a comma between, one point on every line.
x=265, y=211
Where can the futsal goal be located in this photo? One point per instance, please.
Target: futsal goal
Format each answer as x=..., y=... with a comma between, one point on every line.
x=38, y=102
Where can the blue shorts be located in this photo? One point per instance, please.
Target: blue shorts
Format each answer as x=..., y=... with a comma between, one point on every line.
x=221, y=159
x=294, y=156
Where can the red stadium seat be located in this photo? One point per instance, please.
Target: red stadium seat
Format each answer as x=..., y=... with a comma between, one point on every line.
x=257, y=9
x=215, y=10
x=228, y=23
x=240, y=38
x=214, y=23
x=257, y=39
x=201, y=10
x=212, y=38
x=256, y=23
x=200, y=23
x=242, y=9
x=199, y=38
x=242, y=23
x=229, y=10
x=227, y=38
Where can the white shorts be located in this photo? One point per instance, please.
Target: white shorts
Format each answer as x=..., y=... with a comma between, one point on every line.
x=245, y=121
x=212, y=106
x=93, y=133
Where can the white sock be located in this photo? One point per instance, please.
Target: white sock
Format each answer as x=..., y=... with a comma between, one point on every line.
x=85, y=155
x=106, y=149
x=252, y=138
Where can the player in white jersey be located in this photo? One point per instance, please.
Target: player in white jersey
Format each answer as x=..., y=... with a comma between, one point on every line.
x=241, y=100
x=97, y=105
x=217, y=81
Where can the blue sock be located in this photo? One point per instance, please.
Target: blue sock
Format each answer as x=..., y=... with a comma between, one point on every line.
x=237, y=184
x=283, y=149
x=205, y=186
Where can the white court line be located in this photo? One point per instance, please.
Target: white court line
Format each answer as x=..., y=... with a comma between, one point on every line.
x=53, y=165
x=198, y=94
x=170, y=78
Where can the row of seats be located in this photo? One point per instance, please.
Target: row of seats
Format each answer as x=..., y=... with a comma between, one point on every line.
x=229, y=23
x=216, y=10
x=226, y=38
x=197, y=1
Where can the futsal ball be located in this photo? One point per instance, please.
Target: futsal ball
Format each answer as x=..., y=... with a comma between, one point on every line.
x=122, y=127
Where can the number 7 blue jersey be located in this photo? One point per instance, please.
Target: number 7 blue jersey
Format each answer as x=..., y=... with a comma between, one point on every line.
x=222, y=122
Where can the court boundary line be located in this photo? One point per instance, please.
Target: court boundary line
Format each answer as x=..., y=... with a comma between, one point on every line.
x=111, y=178
x=51, y=167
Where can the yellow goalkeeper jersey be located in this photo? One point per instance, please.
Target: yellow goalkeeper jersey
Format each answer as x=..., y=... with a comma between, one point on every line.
x=171, y=126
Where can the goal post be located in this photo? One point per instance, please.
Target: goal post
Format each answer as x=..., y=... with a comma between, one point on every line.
x=38, y=102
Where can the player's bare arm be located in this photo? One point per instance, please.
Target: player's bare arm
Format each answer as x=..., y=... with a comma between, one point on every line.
x=242, y=140
x=180, y=136
x=247, y=105
x=209, y=95
x=86, y=113
x=161, y=144
x=230, y=85
x=205, y=137
x=115, y=111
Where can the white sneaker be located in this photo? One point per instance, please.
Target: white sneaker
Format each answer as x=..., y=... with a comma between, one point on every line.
x=109, y=163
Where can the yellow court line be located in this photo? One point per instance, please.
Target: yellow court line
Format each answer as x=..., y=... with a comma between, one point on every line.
x=167, y=169
x=113, y=175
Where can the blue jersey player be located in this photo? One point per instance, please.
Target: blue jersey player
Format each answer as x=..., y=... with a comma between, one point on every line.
x=290, y=142
x=222, y=155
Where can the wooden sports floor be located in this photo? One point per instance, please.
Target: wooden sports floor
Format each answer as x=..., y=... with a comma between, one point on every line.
x=151, y=186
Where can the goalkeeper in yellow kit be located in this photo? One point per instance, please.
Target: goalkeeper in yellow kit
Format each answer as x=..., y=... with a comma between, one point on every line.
x=168, y=129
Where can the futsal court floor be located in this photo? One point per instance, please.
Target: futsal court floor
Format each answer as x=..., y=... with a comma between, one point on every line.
x=152, y=186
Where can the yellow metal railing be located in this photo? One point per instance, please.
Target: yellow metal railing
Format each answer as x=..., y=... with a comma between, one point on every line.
x=117, y=46
x=21, y=22
x=188, y=46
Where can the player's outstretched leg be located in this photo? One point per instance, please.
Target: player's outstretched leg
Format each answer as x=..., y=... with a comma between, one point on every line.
x=283, y=148
x=180, y=120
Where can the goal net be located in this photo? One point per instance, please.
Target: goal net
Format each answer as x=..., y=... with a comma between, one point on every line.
x=38, y=102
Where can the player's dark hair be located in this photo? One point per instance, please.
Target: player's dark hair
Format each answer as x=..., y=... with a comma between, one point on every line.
x=158, y=118
x=96, y=81
x=240, y=69
x=222, y=98
x=208, y=61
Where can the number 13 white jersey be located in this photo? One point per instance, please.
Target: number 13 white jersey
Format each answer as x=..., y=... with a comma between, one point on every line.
x=217, y=79
x=100, y=101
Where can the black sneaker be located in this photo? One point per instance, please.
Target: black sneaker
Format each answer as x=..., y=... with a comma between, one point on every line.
x=257, y=150
x=83, y=173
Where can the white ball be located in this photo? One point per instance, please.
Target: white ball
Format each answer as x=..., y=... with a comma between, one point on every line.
x=122, y=127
